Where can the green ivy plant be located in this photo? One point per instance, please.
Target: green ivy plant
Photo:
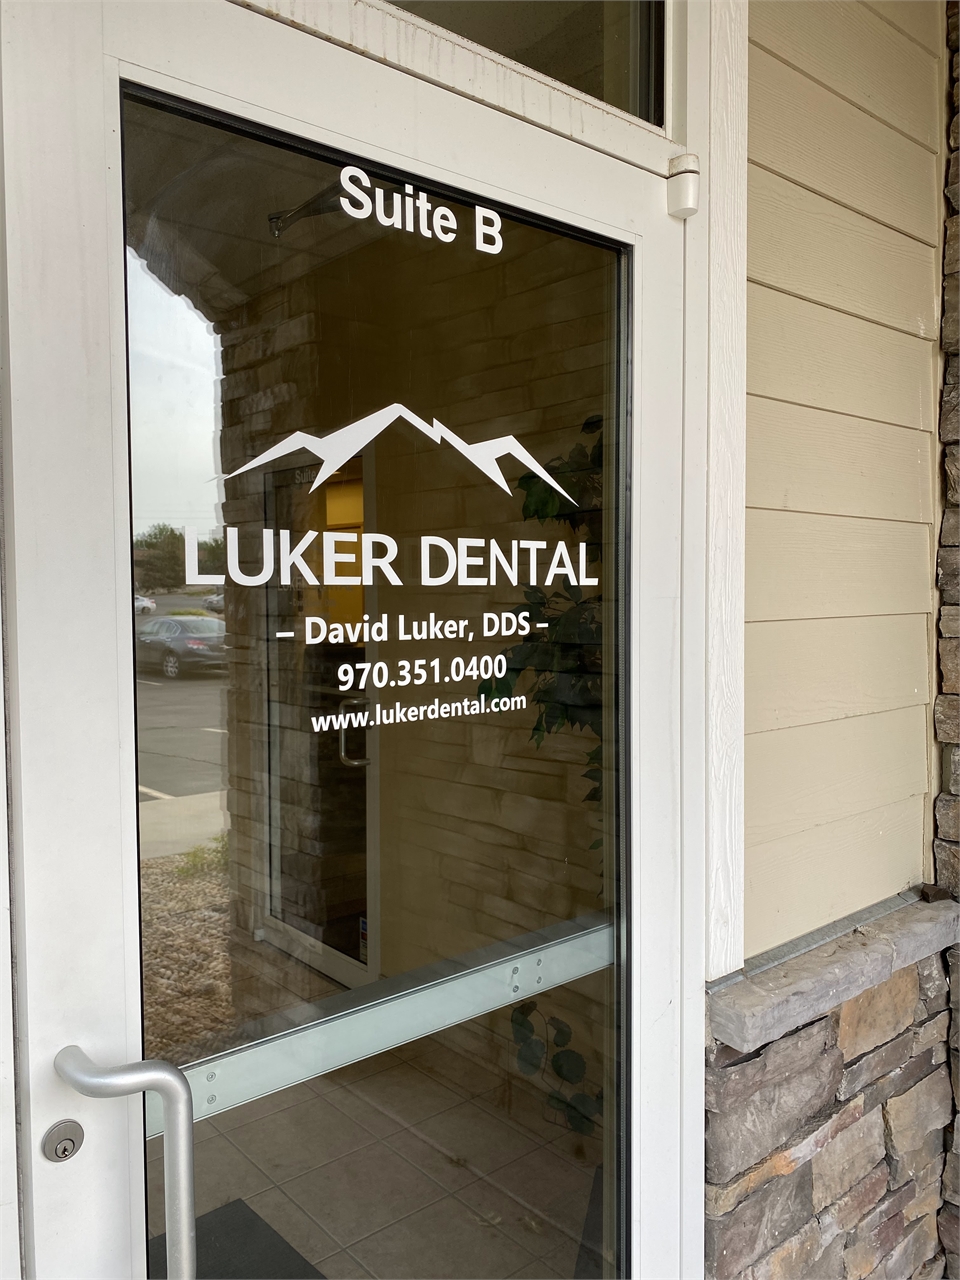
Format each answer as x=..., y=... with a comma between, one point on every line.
x=580, y=473
x=564, y=650
x=576, y=1107
x=565, y=657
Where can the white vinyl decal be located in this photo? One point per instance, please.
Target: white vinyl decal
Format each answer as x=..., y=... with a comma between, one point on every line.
x=339, y=446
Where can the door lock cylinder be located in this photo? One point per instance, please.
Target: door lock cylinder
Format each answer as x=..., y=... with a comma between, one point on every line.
x=62, y=1140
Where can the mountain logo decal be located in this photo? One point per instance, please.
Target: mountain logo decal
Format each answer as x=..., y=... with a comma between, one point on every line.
x=340, y=446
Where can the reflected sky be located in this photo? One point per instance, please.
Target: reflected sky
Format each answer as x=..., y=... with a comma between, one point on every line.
x=174, y=406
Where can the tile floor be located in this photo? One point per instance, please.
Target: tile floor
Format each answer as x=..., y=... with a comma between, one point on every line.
x=416, y=1163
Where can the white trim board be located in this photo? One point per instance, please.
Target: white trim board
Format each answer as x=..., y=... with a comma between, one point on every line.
x=726, y=491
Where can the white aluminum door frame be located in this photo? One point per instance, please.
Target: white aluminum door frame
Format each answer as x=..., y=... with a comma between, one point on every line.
x=72, y=785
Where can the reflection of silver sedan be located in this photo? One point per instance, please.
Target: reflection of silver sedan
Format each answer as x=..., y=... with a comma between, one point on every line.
x=214, y=603
x=143, y=604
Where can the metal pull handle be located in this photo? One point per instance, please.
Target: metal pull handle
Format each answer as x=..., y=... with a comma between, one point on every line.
x=73, y=1066
x=344, y=758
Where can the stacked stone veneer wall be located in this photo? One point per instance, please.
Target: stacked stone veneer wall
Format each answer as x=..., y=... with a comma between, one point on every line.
x=830, y=1150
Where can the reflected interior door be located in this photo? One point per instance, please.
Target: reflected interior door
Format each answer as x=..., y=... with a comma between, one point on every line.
x=323, y=853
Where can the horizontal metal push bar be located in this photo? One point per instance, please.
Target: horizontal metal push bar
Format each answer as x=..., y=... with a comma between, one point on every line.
x=382, y=1015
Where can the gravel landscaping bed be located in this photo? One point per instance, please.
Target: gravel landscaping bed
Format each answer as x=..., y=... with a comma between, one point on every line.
x=185, y=904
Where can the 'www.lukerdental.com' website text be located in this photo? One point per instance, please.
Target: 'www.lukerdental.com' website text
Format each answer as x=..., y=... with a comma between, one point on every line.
x=376, y=715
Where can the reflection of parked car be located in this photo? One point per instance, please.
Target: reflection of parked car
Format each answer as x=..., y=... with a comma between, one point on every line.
x=143, y=604
x=179, y=645
x=214, y=602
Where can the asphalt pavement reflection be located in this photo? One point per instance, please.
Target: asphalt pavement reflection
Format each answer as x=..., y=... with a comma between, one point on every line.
x=182, y=761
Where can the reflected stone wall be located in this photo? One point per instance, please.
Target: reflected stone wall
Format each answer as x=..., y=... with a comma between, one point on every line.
x=482, y=834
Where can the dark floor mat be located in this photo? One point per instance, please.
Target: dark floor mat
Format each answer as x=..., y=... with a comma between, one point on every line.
x=234, y=1243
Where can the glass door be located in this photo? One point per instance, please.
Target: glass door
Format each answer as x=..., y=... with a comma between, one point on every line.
x=347, y=412
x=378, y=463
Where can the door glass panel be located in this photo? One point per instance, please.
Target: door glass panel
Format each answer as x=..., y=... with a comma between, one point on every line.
x=376, y=437
x=611, y=49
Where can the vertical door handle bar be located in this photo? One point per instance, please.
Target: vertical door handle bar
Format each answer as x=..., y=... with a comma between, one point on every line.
x=344, y=758
x=73, y=1066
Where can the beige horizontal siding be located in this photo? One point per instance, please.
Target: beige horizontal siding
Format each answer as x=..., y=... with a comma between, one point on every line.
x=809, y=670
x=801, y=778
x=807, y=134
x=801, y=565
x=801, y=459
x=850, y=50
x=847, y=118
x=803, y=881
x=807, y=245
x=811, y=355
x=921, y=20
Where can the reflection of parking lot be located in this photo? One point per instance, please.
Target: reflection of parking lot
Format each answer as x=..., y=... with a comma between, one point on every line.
x=182, y=761
x=177, y=600
x=180, y=726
